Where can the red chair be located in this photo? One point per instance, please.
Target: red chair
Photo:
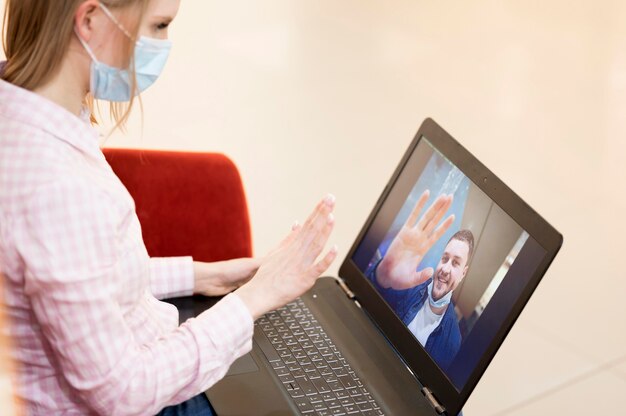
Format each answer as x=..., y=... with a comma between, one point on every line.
x=189, y=204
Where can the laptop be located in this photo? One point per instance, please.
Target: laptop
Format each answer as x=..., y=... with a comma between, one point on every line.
x=434, y=281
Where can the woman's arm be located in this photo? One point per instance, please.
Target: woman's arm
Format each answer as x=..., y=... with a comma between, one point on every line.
x=172, y=277
x=69, y=238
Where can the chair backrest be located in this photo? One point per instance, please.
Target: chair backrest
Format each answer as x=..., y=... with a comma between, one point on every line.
x=188, y=203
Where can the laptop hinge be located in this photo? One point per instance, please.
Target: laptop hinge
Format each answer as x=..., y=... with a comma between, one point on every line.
x=350, y=294
x=346, y=289
x=433, y=401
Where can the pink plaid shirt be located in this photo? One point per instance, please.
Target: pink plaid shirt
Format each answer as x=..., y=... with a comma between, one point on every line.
x=89, y=336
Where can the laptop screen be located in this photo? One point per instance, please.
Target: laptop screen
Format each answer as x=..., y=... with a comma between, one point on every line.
x=448, y=260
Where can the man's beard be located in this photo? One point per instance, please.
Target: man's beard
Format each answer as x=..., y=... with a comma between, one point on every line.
x=440, y=275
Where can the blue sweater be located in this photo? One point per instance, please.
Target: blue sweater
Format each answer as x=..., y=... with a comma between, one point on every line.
x=445, y=340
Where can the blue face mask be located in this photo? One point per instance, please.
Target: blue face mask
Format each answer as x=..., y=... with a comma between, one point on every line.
x=445, y=300
x=115, y=84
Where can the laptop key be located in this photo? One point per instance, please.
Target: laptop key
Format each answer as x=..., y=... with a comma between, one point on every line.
x=321, y=385
x=358, y=399
x=330, y=378
x=315, y=398
x=354, y=392
x=345, y=401
x=327, y=396
x=314, y=374
x=325, y=370
x=297, y=372
x=320, y=365
x=365, y=406
x=316, y=357
x=287, y=378
x=333, y=403
x=307, y=387
x=324, y=351
x=347, y=381
x=303, y=405
x=335, y=385
x=296, y=393
x=319, y=406
x=342, y=394
x=335, y=365
x=351, y=408
x=294, y=390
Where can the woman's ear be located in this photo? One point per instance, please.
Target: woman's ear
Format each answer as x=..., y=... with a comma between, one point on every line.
x=83, y=18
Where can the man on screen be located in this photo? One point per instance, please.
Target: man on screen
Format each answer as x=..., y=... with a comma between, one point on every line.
x=422, y=299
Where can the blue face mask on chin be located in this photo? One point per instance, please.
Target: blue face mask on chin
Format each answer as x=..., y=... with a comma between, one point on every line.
x=444, y=301
x=115, y=84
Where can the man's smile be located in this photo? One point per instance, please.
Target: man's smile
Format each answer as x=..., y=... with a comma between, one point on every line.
x=441, y=278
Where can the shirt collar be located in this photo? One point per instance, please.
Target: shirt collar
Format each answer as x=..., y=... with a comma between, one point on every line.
x=27, y=107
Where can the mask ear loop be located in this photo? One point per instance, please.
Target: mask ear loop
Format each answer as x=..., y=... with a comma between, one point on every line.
x=86, y=46
x=120, y=26
x=106, y=11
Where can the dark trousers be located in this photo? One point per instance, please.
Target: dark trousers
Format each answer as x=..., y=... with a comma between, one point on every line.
x=196, y=406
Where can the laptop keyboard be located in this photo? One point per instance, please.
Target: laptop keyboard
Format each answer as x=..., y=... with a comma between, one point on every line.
x=313, y=371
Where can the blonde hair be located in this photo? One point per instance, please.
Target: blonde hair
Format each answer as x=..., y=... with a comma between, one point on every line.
x=37, y=35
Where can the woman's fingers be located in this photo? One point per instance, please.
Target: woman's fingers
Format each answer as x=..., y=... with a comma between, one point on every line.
x=292, y=267
x=317, y=224
x=285, y=242
x=323, y=265
x=314, y=242
x=323, y=208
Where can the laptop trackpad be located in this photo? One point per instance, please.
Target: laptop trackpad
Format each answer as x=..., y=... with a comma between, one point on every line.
x=242, y=365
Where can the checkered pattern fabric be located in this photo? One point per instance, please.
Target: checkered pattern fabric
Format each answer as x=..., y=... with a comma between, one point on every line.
x=88, y=332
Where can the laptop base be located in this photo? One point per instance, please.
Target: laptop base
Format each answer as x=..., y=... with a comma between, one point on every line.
x=251, y=387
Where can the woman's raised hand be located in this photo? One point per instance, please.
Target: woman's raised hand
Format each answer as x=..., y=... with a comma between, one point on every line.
x=291, y=268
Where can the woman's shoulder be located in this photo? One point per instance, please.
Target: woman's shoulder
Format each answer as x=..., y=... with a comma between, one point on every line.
x=34, y=167
x=28, y=159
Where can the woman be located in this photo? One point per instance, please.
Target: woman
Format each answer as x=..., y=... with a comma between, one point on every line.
x=89, y=334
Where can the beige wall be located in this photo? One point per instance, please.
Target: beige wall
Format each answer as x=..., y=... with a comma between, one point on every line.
x=315, y=96
x=495, y=235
